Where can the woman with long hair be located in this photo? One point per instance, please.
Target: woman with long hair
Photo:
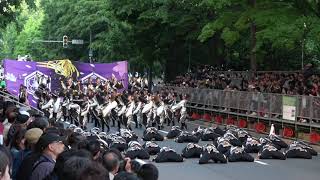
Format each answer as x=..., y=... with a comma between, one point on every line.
x=4, y=166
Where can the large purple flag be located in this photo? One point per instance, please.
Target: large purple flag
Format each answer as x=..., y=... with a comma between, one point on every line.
x=27, y=73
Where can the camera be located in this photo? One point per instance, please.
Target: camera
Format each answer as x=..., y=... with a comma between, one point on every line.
x=135, y=165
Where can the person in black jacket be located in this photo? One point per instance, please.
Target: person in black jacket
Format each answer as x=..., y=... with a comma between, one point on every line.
x=269, y=151
x=174, y=132
x=186, y=136
x=252, y=145
x=168, y=155
x=192, y=150
x=152, y=133
x=236, y=154
x=210, y=152
x=297, y=151
x=135, y=150
x=151, y=147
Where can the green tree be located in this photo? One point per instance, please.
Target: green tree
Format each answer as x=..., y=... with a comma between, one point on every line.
x=18, y=36
x=7, y=42
x=273, y=27
x=8, y=10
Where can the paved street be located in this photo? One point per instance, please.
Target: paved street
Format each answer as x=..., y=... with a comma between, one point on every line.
x=291, y=169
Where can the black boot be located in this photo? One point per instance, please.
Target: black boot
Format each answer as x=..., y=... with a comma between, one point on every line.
x=108, y=127
x=136, y=122
x=119, y=126
x=113, y=122
x=173, y=124
x=183, y=125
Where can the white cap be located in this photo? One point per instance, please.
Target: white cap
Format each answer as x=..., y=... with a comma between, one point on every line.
x=23, y=110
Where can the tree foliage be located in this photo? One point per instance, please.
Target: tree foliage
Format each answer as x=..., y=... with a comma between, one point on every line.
x=167, y=34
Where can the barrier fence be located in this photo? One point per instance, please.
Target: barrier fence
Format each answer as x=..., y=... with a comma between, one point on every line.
x=9, y=97
x=250, y=74
x=294, y=116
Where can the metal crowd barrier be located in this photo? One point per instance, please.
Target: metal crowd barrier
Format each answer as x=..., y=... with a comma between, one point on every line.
x=9, y=97
x=255, y=107
x=249, y=74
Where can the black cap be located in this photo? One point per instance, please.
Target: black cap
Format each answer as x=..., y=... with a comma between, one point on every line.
x=47, y=139
x=22, y=118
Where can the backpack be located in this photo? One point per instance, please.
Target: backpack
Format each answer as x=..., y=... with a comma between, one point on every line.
x=29, y=164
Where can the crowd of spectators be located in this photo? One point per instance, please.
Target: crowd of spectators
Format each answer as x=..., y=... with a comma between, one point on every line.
x=306, y=82
x=35, y=148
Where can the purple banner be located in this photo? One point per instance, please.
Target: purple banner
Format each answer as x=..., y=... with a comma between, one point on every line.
x=27, y=73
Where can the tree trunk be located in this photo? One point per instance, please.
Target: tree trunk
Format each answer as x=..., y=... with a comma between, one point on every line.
x=253, y=55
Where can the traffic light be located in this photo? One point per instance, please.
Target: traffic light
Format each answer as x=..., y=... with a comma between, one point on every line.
x=65, y=41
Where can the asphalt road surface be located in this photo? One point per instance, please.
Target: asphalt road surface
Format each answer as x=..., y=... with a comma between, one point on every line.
x=290, y=169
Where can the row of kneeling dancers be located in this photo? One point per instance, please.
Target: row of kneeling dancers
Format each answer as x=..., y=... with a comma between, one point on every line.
x=229, y=145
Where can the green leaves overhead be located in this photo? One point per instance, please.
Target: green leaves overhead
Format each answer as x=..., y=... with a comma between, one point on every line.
x=165, y=33
x=229, y=37
x=279, y=24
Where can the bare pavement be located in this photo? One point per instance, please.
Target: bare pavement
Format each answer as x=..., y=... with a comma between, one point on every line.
x=289, y=169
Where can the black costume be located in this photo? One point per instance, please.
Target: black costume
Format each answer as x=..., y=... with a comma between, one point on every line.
x=243, y=135
x=269, y=151
x=209, y=134
x=192, y=150
x=297, y=151
x=198, y=132
x=135, y=150
x=252, y=145
x=186, y=136
x=238, y=154
x=223, y=145
x=119, y=143
x=168, y=155
x=174, y=132
x=234, y=141
x=128, y=135
x=306, y=146
x=218, y=130
x=152, y=133
x=151, y=147
x=278, y=141
x=210, y=152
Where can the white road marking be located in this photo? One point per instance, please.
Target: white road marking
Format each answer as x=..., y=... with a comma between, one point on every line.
x=263, y=163
x=163, y=131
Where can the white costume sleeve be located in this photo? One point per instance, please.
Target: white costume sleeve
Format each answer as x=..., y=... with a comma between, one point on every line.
x=56, y=105
x=136, y=110
x=108, y=109
x=179, y=105
x=48, y=105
